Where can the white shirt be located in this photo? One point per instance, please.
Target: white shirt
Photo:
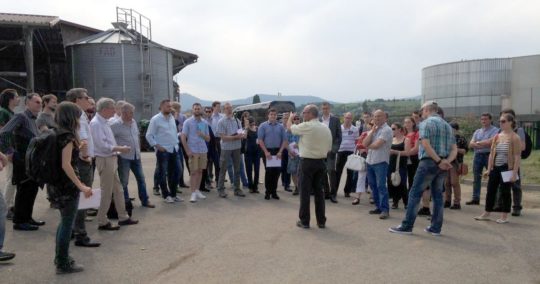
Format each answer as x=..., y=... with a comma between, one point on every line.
x=326, y=120
x=348, y=138
x=103, y=137
x=85, y=134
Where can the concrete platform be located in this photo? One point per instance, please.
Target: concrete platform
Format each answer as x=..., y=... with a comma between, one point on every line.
x=252, y=240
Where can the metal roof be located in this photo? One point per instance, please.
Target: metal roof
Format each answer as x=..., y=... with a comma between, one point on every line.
x=28, y=20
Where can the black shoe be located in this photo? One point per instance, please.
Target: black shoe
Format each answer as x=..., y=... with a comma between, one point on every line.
x=516, y=212
x=86, y=242
x=347, y=194
x=108, y=227
x=321, y=226
x=333, y=199
x=295, y=192
x=375, y=212
x=394, y=206
x=156, y=191
x=275, y=196
x=10, y=214
x=267, y=196
x=36, y=223
x=473, y=202
x=5, y=256
x=424, y=211
x=205, y=189
x=128, y=221
x=325, y=197
x=447, y=204
x=300, y=225
x=25, y=227
x=287, y=189
x=91, y=212
x=456, y=206
x=183, y=185
x=70, y=268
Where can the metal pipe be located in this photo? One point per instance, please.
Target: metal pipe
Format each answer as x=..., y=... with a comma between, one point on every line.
x=123, y=74
x=29, y=57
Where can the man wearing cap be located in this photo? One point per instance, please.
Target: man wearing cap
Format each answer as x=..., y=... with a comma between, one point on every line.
x=437, y=151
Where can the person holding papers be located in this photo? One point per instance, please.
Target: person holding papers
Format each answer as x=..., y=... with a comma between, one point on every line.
x=272, y=140
x=503, y=166
x=67, y=119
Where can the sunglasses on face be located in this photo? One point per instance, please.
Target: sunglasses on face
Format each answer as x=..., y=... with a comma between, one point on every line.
x=394, y=129
x=502, y=121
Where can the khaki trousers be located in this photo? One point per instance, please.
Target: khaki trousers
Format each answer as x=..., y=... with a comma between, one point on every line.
x=107, y=168
x=9, y=189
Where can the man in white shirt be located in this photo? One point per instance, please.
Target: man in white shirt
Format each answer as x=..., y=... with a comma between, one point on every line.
x=106, y=150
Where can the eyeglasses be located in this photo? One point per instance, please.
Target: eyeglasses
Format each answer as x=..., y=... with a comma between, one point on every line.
x=296, y=118
x=394, y=129
x=502, y=121
x=208, y=111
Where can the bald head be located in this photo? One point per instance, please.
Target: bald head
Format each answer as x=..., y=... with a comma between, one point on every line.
x=379, y=117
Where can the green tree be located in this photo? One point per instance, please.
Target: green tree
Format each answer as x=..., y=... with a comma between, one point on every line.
x=256, y=99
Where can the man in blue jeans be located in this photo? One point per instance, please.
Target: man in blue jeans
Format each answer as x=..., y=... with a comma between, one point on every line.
x=481, y=143
x=436, y=152
x=378, y=142
x=163, y=136
x=126, y=132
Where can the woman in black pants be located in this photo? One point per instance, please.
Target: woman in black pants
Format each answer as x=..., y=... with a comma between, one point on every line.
x=399, y=148
x=252, y=157
x=505, y=156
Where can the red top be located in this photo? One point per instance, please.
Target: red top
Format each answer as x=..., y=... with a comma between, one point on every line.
x=359, y=146
x=413, y=137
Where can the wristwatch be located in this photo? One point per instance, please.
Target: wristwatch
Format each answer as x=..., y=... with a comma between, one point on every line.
x=438, y=162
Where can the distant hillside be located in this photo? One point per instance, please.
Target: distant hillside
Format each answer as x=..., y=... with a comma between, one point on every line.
x=187, y=100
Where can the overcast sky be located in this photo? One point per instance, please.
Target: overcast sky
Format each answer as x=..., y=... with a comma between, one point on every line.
x=339, y=50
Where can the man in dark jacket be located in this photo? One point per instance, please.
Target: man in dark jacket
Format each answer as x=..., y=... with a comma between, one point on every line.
x=334, y=125
x=15, y=137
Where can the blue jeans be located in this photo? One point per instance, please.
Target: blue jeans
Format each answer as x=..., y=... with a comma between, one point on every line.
x=124, y=166
x=63, y=233
x=480, y=163
x=285, y=176
x=252, y=167
x=376, y=175
x=168, y=169
x=3, y=213
x=427, y=174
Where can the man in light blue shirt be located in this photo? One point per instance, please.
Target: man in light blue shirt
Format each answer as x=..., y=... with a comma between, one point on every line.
x=195, y=134
x=126, y=132
x=163, y=136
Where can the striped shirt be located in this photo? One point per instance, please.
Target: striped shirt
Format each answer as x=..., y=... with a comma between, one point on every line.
x=440, y=135
x=502, y=153
x=348, y=138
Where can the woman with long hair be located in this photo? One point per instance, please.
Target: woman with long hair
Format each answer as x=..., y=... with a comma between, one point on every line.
x=399, y=149
x=67, y=198
x=505, y=156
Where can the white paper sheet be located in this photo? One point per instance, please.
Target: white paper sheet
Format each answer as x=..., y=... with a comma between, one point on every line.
x=273, y=163
x=240, y=131
x=91, y=202
x=507, y=176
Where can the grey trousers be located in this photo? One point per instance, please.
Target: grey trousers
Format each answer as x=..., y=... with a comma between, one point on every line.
x=86, y=175
x=225, y=154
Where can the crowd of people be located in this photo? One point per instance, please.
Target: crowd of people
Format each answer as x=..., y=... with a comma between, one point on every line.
x=416, y=160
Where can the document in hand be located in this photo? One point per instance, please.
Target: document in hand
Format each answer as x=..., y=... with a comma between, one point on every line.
x=273, y=163
x=91, y=202
x=507, y=176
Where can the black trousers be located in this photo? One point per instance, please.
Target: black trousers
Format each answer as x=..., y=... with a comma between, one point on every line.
x=271, y=177
x=340, y=165
x=311, y=173
x=497, y=189
x=24, y=201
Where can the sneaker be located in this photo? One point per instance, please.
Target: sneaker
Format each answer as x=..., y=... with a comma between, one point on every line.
x=400, y=230
x=193, y=198
x=156, y=191
x=375, y=212
x=456, y=206
x=168, y=200
x=178, y=199
x=222, y=194
x=473, y=202
x=239, y=192
x=430, y=231
x=70, y=268
x=5, y=256
x=424, y=211
x=200, y=195
x=384, y=215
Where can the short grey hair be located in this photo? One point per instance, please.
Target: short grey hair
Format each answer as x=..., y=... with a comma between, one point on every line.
x=313, y=110
x=104, y=103
x=127, y=107
x=119, y=104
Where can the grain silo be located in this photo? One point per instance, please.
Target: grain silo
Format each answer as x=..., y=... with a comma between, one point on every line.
x=123, y=63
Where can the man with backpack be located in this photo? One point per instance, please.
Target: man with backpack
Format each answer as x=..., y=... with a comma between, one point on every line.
x=15, y=137
x=525, y=152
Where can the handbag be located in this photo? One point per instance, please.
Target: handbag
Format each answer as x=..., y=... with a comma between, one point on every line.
x=356, y=162
x=395, y=177
x=463, y=169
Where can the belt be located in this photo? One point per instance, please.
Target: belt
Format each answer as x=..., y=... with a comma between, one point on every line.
x=429, y=158
x=311, y=159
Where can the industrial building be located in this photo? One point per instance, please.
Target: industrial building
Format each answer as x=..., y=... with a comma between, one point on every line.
x=486, y=85
x=45, y=54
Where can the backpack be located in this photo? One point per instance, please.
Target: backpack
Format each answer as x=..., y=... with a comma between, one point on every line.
x=42, y=160
x=528, y=146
